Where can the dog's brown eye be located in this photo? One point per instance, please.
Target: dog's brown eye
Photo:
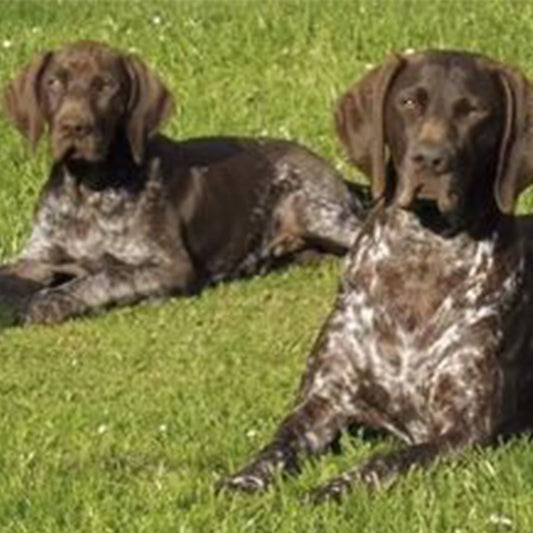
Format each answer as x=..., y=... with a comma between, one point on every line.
x=409, y=103
x=464, y=108
x=414, y=101
x=54, y=84
x=101, y=85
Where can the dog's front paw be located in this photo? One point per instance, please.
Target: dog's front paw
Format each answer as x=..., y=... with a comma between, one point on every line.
x=49, y=307
x=242, y=482
x=255, y=477
x=333, y=491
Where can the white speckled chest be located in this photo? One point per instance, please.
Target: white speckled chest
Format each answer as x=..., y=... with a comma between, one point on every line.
x=86, y=225
x=418, y=322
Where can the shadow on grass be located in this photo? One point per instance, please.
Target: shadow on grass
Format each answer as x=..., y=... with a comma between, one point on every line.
x=8, y=315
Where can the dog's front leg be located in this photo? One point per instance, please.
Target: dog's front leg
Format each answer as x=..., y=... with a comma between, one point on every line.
x=324, y=408
x=309, y=430
x=114, y=284
x=383, y=469
x=19, y=281
x=38, y=273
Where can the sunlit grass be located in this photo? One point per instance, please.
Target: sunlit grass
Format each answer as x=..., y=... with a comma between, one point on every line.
x=124, y=422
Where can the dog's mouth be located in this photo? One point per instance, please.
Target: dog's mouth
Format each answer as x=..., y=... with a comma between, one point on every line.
x=431, y=177
x=439, y=189
x=91, y=149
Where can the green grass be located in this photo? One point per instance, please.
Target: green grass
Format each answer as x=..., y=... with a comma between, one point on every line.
x=122, y=423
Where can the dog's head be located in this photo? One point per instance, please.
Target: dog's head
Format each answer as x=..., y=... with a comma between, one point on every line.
x=451, y=127
x=87, y=94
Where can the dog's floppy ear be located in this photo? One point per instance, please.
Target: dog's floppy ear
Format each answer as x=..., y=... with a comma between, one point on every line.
x=21, y=99
x=150, y=104
x=515, y=158
x=359, y=121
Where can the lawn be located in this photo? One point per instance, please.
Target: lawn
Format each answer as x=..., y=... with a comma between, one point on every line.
x=124, y=422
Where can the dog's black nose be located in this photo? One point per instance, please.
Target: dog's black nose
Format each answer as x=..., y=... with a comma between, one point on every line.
x=76, y=126
x=434, y=158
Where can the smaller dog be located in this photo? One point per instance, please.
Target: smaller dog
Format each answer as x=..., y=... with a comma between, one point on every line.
x=430, y=336
x=128, y=215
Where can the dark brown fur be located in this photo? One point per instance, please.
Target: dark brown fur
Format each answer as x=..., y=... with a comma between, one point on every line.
x=430, y=336
x=128, y=214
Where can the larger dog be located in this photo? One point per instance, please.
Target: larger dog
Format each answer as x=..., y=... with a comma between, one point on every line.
x=128, y=215
x=430, y=337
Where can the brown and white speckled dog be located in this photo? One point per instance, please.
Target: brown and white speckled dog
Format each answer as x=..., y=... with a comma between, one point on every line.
x=128, y=215
x=430, y=338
